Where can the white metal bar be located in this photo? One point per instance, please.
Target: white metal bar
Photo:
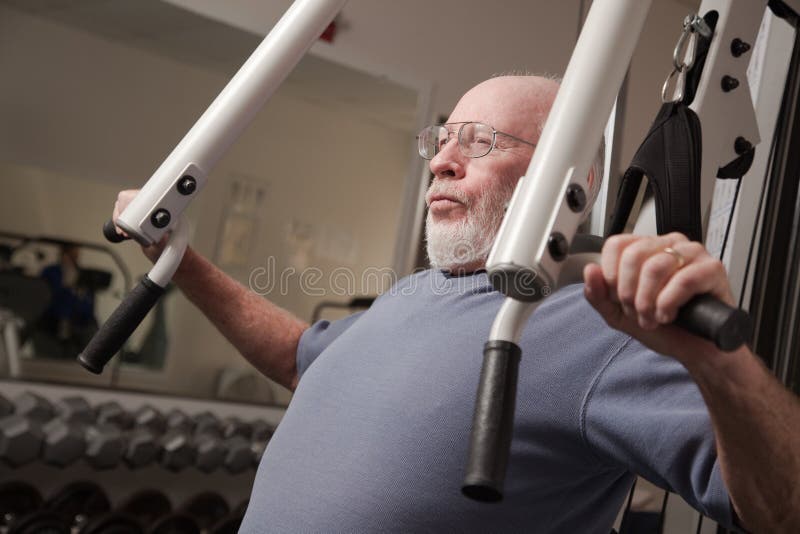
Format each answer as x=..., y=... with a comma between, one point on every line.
x=169, y=260
x=412, y=214
x=227, y=116
x=511, y=319
x=569, y=141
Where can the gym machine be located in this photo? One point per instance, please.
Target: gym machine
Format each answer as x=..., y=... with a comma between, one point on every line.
x=530, y=258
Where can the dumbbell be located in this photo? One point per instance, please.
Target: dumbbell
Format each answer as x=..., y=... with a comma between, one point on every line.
x=230, y=524
x=262, y=433
x=202, y=438
x=216, y=445
x=150, y=418
x=39, y=522
x=75, y=433
x=147, y=506
x=78, y=502
x=34, y=406
x=196, y=513
x=139, y=431
x=110, y=412
x=137, y=513
x=56, y=430
x=200, y=441
x=233, y=426
x=118, y=436
x=112, y=523
x=178, y=450
x=207, y=508
x=210, y=450
x=17, y=499
x=237, y=454
x=175, y=523
x=21, y=434
x=6, y=407
x=64, y=437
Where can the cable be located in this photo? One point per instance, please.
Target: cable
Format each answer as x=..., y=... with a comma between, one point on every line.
x=700, y=524
x=663, y=513
x=730, y=218
x=758, y=221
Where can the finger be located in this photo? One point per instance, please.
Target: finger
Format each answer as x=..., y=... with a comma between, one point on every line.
x=631, y=263
x=597, y=293
x=594, y=284
x=114, y=217
x=654, y=275
x=704, y=275
x=609, y=260
x=125, y=197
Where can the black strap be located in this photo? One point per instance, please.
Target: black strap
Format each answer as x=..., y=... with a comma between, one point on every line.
x=670, y=157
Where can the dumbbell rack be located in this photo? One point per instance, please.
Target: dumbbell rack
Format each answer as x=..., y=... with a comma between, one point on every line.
x=179, y=481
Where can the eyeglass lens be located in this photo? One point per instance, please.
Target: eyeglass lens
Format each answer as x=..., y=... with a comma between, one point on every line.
x=474, y=140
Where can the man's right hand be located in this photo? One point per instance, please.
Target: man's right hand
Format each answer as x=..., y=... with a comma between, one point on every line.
x=123, y=199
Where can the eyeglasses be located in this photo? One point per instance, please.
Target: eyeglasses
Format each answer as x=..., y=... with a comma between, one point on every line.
x=475, y=139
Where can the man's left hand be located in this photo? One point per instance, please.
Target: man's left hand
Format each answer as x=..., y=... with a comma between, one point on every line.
x=642, y=281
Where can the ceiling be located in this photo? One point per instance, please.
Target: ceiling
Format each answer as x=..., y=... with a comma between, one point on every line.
x=168, y=30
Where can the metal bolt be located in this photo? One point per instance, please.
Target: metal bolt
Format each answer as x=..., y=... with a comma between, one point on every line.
x=729, y=83
x=739, y=47
x=160, y=218
x=187, y=185
x=558, y=246
x=576, y=198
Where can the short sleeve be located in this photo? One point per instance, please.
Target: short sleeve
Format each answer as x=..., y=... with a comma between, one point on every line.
x=317, y=338
x=645, y=414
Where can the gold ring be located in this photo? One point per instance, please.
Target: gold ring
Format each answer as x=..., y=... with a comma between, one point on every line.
x=677, y=255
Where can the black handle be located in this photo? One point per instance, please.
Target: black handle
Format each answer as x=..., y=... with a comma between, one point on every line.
x=119, y=327
x=111, y=234
x=492, y=423
x=710, y=318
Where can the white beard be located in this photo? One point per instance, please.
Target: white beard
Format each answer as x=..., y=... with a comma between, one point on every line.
x=456, y=245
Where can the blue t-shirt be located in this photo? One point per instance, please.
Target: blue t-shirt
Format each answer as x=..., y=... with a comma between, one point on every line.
x=376, y=436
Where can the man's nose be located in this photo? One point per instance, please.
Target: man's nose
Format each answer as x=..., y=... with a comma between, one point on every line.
x=448, y=162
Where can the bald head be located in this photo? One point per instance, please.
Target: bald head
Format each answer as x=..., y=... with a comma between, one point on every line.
x=515, y=104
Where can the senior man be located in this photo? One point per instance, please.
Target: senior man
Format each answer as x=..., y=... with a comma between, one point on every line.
x=375, y=438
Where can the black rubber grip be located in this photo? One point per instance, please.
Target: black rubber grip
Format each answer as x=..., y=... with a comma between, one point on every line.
x=710, y=318
x=110, y=232
x=119, y=327
x=492, y=423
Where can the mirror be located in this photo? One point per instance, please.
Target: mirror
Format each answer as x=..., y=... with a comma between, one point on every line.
x=304, y=209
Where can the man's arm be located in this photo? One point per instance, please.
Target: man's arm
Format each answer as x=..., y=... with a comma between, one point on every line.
x=638, y=288
x=262, y=332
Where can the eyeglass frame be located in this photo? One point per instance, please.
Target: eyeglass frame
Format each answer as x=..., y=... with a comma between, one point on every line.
x=458, y=135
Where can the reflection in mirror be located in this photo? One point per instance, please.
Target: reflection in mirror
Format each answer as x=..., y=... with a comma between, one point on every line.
x=304, y=209
x=55, y=289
